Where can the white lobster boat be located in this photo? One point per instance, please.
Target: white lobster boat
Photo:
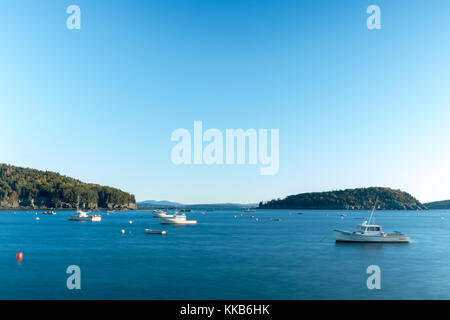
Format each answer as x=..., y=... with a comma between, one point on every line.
x=162, y=215
x=150, y=231
x=177, y=219
x=84, y=216
x=367, y=232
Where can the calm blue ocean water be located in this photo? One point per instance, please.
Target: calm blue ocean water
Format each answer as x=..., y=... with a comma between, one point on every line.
x=222, y=257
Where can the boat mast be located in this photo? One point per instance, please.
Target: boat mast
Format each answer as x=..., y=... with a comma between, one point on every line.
x=373, y=210
x=78, y=202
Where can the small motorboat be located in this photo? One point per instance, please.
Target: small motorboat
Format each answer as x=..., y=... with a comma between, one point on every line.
x=49, y=212
x=278, y=219
x=177, y=219
x=150, y=231
x=84, y=216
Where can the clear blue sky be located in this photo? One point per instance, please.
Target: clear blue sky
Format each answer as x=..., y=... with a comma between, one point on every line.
x=354, y=107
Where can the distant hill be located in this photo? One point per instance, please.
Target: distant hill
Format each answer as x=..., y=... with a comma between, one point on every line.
x=30, y=188
x=350, y=199
x=222, y=206
x=445, y=204
x=158, y=204
x=170, y=204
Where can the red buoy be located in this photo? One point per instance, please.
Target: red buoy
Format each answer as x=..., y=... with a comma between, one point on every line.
x=19, y=256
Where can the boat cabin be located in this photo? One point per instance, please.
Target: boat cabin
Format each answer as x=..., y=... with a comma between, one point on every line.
x=368, y=228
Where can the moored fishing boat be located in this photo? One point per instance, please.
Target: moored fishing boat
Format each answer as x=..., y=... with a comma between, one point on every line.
x=162, y=215
x=370, y=233
x=84, y=216
x=177, y=219
x=150, y=231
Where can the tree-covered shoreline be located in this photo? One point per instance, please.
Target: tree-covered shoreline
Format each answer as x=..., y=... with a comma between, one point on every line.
x=31, y=188
x=349, y=199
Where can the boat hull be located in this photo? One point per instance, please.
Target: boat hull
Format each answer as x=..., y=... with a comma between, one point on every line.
x=175, y=221
x=149, y=231
x=92, y=219
x=344, y=236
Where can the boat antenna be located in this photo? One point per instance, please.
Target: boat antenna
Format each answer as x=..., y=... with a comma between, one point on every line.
x=373, y=210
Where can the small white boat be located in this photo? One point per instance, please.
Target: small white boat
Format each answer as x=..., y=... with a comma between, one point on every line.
x=367, y=232
x=177, y=219
x=84, y=216
x=49, y=212
x=150, y=231
x=162, y=215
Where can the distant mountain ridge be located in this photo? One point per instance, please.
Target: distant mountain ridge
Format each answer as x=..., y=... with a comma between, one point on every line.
x=170, y=204
x=444, y=204
x=349, y=199
x=162, y=203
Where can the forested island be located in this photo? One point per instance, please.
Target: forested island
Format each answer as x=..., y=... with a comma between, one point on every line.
x=30, y=188
x=349, y=199
x=445, y=204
